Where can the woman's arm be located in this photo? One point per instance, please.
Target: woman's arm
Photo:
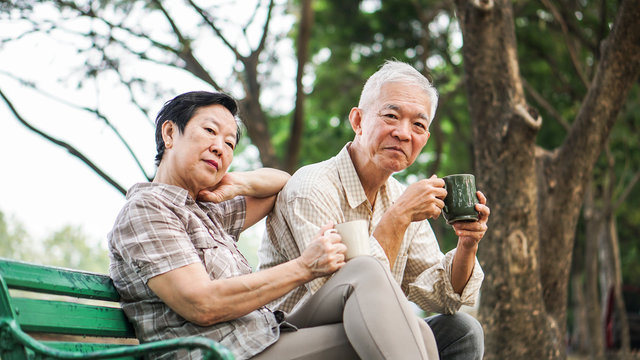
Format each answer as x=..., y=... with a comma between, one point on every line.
x=190, y=293
x=259, y=188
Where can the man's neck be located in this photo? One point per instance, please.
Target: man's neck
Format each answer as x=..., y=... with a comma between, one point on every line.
x=371, y=177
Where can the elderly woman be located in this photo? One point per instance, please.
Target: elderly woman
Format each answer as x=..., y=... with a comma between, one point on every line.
x=175, y=263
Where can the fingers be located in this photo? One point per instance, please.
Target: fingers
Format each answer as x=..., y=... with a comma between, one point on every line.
x=481, y=197
x=325, y=228
x=483, y=212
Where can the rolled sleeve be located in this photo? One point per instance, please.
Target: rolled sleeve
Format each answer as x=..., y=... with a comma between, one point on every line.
x=153, y=240
x=427, y=278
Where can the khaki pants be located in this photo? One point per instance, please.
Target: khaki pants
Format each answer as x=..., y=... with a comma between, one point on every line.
x=359, y=312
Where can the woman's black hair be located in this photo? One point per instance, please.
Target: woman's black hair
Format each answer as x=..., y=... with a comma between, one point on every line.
x=181, y=109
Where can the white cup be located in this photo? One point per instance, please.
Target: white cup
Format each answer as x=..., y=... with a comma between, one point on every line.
x=355, y=235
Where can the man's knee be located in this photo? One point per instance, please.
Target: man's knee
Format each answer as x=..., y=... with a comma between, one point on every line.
x=457, y=333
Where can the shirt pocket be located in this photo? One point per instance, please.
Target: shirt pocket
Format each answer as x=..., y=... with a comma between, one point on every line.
x=210, y=252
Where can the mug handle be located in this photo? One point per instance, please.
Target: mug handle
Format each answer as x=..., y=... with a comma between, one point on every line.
x=446, y=209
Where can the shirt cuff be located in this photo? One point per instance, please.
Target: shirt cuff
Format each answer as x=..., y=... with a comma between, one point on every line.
x=472, y=288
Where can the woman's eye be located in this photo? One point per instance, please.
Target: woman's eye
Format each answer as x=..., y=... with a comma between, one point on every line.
x=230, y=144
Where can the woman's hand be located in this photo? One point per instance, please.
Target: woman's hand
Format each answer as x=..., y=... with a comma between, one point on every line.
x=325, y=255
x=230, y=186
x=259, y=183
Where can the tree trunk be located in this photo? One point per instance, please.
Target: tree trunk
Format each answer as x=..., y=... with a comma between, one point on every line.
x=594, y=223
x=579, y=341
x=535, y=196
x=297, y=123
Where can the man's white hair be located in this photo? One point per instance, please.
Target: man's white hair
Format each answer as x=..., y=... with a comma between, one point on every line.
x=394, y=71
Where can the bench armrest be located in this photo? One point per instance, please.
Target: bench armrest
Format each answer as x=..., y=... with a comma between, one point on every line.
x=211, y=349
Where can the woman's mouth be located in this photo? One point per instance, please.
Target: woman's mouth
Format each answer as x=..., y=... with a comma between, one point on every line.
x=212, y=163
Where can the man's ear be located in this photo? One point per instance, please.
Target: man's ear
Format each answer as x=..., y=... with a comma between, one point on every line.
x=355, y=118
x=168, y=132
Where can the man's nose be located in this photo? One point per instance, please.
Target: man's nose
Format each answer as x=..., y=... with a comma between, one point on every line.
x=402, y=131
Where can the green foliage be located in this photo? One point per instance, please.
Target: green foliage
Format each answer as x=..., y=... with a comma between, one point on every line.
x=67, y=247
x=14, y=240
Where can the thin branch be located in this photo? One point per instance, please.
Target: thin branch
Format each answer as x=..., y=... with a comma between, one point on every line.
x=567, y=40
x=627, y=190
x=265, y=30
x=96, y=112
x=545, y=104
x=207, y=19
x=72, y=150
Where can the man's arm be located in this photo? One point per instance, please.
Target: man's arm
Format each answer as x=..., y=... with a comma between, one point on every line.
x=421, y=200
x=469, y=235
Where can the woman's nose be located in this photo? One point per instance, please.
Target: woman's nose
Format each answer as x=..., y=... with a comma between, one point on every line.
x=215, y=146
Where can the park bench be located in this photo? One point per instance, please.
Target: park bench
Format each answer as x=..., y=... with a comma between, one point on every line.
x=47, y=315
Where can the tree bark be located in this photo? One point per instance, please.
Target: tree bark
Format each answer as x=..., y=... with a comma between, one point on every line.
x=535, y=196
x=297, y=123
x=594, y=223
x=563, y=175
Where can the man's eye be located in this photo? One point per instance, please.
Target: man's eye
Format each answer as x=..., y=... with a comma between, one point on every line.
x=420, y=125
x=390, y=116
x=210, y=130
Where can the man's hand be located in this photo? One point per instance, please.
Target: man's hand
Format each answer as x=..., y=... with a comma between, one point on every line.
x=423, y=199
x=325, y=255
x=470, y=233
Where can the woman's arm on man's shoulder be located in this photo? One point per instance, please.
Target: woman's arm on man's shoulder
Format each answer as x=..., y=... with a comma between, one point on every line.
x=259, y=187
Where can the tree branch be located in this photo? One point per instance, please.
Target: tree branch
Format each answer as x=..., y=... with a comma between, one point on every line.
x=208, y=20
x=96, y=112
x=627, y=190
x=297, y=123
x=72, y=150
x=567, y=40
x=616, y=73
x=545, y=104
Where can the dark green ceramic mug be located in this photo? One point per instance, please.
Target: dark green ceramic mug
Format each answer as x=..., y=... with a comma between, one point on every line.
x=461, y=200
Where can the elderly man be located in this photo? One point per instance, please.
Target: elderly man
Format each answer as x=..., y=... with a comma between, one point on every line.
x=391, y=124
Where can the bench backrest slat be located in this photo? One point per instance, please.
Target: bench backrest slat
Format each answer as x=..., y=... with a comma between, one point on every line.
x=60, y=281
x=61, y=317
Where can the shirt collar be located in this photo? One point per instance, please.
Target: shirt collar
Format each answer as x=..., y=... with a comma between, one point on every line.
x=174, y=194
x=349, y=178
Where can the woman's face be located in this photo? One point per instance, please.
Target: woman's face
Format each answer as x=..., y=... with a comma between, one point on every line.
x=200, y=156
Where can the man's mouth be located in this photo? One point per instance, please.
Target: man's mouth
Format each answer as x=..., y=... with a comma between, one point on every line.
x=212, y=163
x=395, y=148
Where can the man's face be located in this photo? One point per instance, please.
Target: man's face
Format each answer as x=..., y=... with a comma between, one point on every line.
x=393, y=128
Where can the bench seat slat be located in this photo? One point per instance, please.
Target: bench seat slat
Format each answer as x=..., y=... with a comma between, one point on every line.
x=60, y=317
x=53, y=280
x=84, y=347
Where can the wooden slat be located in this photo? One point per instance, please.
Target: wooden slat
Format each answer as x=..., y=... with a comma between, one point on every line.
x=70, y=318
x=52, y=280
x=83, y=347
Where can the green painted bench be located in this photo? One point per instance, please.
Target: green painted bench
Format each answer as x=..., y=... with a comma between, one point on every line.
x=46, y=315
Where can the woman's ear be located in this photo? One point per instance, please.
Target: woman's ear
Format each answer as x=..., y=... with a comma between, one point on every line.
x=168, y=132
x=355, y=118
